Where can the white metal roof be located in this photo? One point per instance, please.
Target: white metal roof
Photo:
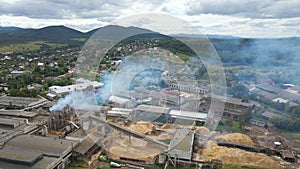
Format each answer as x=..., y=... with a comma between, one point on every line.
x=277, y=143
x=118, y=113
x=51, y=95
x=119, y=100
x=74, y=87
x=188, y=114
x=154, y=109
x=17, y=72
x=280, y=100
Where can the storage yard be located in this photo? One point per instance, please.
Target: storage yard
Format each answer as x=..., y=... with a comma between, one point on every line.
x=130, y=148
x=237, y=156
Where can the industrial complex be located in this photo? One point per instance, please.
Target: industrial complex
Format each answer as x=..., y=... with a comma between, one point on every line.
x=143, y=127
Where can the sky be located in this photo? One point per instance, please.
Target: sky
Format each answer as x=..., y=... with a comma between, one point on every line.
x=244, y=18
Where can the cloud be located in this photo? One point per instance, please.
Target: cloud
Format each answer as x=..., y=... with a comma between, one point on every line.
x=250, y=8
x=25, y=22
x=251, y=18
x=60, y=9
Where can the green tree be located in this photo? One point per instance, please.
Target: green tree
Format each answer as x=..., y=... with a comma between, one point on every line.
x=10, y=106
x=240, y=91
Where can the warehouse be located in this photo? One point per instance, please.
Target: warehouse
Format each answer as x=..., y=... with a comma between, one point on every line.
x=20, y=102
x=151, y=113
x=119, y=112
x=236, y=102
x=120, y=102
x=59, y=91
x=10, y=123
x=11, y=127
x=87, y=144
x=188, y=115
x=18, y=113
x=27, y=151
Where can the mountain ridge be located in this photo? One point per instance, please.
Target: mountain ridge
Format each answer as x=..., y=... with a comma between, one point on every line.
x=90, y=32
x=43, y=33
x=63, y=34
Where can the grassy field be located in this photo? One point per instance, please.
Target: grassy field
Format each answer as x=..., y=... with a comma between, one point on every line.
x=225, y=166
x=170, y=167
x=289, y=134
x=55, y=45
x=90, y=75
x=79, y=39
x=238, y=166
x=78, y=165
x=30, y=46
x=229, y=125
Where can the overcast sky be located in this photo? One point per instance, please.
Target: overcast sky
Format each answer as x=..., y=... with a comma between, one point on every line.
x=246, y=18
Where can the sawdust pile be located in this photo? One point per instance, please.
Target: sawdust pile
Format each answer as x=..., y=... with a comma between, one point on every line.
x=133, y=148
x=238, y=156
x=237, y=138
x=149, y=129
x=202, y=130
x=168, y=126
x=143, y=127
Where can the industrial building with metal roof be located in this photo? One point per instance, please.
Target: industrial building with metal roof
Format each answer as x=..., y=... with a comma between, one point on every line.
x=188, y=115
x=20, y=101
x=181, y=146
x=29, y=151
x=18, y=113
x=63, y=90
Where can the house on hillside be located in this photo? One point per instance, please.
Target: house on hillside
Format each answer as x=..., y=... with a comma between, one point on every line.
x=16, y=72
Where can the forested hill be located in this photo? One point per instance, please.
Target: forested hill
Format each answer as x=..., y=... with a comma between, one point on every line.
x=54, y=34
x=61, y=34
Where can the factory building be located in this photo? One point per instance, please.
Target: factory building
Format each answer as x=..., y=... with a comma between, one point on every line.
x=162, y=114
x=150, y=113
x=181, y=146
x=21, y=102
x=189, y=88
x=119, y=112
x=59, y=120
x=18, y=113
x=87, y=144
x=121, y=102
x=188, y=116
x=59, y=91
x=236, y=102
x=10, y=123
x=11, y=127
x=35, y=152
